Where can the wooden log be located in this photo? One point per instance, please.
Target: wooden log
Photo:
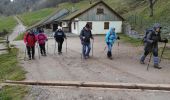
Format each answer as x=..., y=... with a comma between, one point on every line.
x=164, y=87
x=4, y=49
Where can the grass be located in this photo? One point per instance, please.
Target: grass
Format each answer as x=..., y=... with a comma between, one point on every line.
x=30, y=18
x=132, y=41
x=7, y=23
x=20, y=37
x=166, y=54
x=10, y=69
x=13, y=93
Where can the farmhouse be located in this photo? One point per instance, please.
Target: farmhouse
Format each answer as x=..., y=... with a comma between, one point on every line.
x=99, y=16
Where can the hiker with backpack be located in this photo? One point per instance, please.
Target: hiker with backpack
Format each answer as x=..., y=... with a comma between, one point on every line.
x=42, y=38
x=59, y=37
x=151, y=39
x=30, y=41
x=110, y=39
x=85, y=37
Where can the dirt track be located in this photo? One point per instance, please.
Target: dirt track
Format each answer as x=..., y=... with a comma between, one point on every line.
x=124, y=68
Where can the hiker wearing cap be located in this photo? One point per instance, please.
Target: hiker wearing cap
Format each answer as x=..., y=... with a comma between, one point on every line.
x=85, y=37
x=59, y=37
x=30, y=40
x=42, y=38
x=110, y=39
x=151, y=40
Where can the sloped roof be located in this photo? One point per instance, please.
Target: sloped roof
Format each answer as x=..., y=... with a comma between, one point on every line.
x=81, y=11
x=66, y=15
x=54, y=16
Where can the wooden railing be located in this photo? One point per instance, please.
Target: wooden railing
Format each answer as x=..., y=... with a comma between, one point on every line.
x=5, y=41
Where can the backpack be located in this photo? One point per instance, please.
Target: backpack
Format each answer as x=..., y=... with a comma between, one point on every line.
x=147, y=31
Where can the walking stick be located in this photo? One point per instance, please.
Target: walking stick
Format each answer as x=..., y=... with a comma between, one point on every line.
x=55, y=47
x=149, y=61
x=92, y=47
x=162, y=52
x=47, y=46
x=66, y=45
x=25, y=54
x=38, y=51
x=118, y=48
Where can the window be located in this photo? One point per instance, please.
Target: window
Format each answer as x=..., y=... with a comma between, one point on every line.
x=90, y=24
x=74, y=25
x=106, y=25
x=100, y=11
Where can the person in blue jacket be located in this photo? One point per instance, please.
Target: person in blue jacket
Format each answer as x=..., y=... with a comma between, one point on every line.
x=110, y=39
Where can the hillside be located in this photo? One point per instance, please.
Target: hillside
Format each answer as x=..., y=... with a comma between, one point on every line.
x=135, y=12
x=7, y=23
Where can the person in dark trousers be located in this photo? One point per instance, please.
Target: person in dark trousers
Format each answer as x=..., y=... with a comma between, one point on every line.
x=42, y=38
x=151, y=39
x=30, y=41
x=59, y=37
x=85, y=37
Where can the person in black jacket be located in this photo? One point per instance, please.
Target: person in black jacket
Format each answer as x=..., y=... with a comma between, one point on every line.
x=85, y=37
x=59, y=37
x=151, y=44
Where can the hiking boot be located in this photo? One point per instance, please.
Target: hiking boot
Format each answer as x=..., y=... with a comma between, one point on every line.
x=142, y=62
x=29, y=58
x=33, y=58
x=111, y=58
x=157, y=66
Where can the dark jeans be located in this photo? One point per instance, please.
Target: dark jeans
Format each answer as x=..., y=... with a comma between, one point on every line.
x=31, y=51
x=86, y=49
x=42, y=49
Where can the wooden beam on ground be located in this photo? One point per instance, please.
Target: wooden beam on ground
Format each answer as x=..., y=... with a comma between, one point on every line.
x=165, y=87
x=4, y=49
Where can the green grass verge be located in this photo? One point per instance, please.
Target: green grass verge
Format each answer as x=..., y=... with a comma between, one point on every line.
x=132, y=41
x=20, y=37
x=9, y=67
x=166, y=54
x=7, y=23
x=13, y=92
x=31, y=18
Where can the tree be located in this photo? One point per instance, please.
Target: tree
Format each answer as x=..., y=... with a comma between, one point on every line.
x=151, y=5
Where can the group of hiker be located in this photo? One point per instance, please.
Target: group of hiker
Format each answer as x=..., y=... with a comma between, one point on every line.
x=30, y=40
x=151, y=39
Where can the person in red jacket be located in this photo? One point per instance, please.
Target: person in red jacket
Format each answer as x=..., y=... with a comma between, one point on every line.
x=42, y=38
x=30, y=41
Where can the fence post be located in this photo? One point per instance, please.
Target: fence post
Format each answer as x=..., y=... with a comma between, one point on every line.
x=8, y=43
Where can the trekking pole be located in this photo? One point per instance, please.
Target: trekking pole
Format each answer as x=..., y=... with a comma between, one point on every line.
x=55, y=47
x=104, y=48
x=92, y=47
x=162, y=52
x=25, y=53
x=47, y=46
x=66, y=45
x=118, y=48
x=38, y=51
x=149, y=61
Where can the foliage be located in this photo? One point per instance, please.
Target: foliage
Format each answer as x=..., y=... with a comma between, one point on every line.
x=7, y=23
x=13, y=92
x=10, y=69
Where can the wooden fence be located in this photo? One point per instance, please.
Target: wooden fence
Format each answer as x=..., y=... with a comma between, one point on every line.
x=5, y=41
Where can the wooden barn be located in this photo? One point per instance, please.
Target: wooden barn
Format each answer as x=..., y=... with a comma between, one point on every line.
x=99, y=15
